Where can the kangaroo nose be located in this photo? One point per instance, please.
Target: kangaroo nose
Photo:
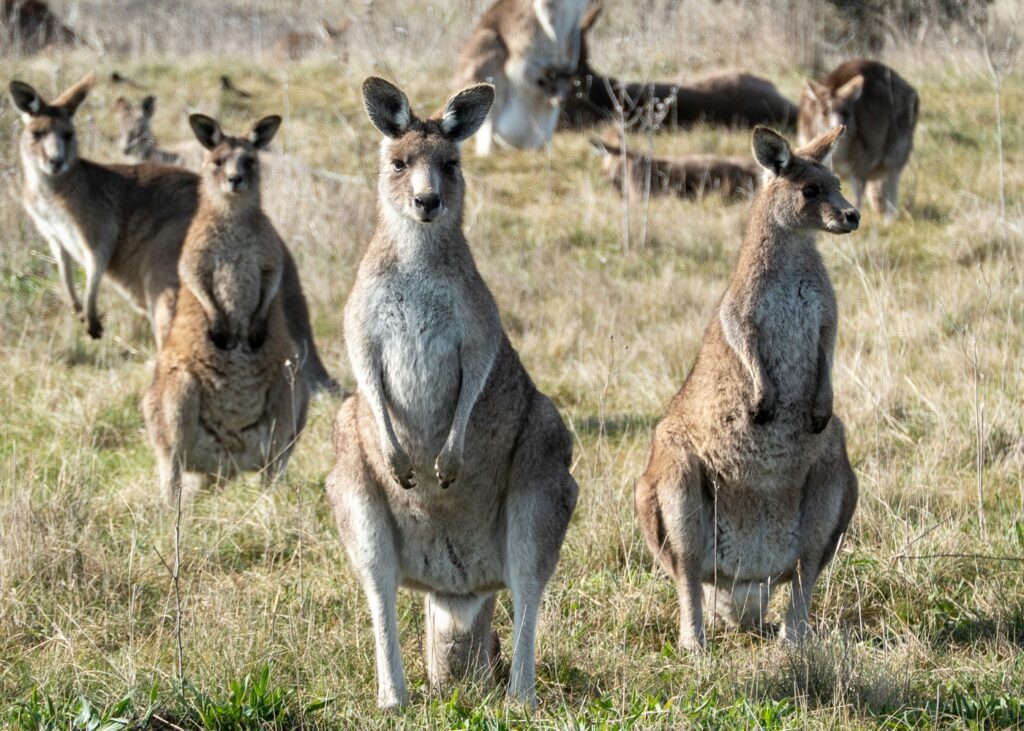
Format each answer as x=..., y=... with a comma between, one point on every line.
x=852, y=216
x=236, y=180
x=428, y=203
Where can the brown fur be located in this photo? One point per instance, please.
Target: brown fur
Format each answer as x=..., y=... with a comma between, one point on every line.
x=692, y=176
x=295, y=45
x=123, y=222
x=29, y=26
x=748, y=482
x=227, y=396
x=880, y=110
x=728, y=98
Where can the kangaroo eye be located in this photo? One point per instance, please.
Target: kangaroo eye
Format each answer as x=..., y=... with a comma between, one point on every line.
x=398, y=165
x=38, y=134
x=451, y=166
x=218, y=161
x=67, y=136
x=811, y=191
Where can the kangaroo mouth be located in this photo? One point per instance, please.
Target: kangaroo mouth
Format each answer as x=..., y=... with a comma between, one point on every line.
x=836, y=227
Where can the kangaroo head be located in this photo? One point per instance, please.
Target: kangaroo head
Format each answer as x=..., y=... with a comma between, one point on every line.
x=421, y=177
x=800, y=187
x=231, y=165
x=48, y=140
x=826, y=108
x=135, y=131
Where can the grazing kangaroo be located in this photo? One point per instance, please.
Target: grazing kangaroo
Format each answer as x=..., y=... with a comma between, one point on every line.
x=227, y=396
x=879, y=110
x=136, y=138
x=692, y=176
x=125, y=222
x=748, y=482
x=452, y=469
x=295, y=45
x=527, y=49
x=727, y=98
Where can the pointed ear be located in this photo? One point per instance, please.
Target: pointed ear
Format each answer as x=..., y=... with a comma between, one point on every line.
x=818, y=92
x=466, y=111
x=387, y=106
x=26, y=99
x=263, y=131
x=590, y=17
x=819, y=149
x=148, y=106
x=73, y=97
x=771, y=150
x=852, y=89
x=206, y=129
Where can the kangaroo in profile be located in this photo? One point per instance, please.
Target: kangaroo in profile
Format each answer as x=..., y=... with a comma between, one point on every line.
x=227, y=396
x=691, y=176
x=748, y=482
x=136, y=138
x=879, y=110
x=729, y=98
x=452, y=469
x=528, y=50
x=295, y=45
x=125, y=222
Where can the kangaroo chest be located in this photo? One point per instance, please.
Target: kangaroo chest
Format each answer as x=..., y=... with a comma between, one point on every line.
x=57, y=225
x=418, y=320
x=235, y=269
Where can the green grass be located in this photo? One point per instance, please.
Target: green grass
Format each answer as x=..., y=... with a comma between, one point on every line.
x=920, y=619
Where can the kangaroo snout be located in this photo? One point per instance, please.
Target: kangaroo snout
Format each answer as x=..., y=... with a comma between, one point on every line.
x=428, y=205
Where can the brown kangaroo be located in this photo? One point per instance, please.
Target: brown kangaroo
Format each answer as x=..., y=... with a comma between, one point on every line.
x=748, y=483
x=123, y=222
x=879, y=110
x=692, y=176
x=227, y=396
x=452, y=469
x=729, y=98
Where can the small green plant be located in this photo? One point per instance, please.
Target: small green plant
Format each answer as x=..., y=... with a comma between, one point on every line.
x=250, y=703
x=40, y=713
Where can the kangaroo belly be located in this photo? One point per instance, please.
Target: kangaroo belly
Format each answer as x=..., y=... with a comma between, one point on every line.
x=790, y=325
x=524, y=121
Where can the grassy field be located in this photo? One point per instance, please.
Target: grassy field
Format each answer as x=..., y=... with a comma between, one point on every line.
x=920, y=619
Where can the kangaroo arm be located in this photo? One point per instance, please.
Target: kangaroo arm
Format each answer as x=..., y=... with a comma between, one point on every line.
x=368, y=371
x=95, y=267
x=200, y=284
x=821, y=409
x=742, y=338
x=476, y=360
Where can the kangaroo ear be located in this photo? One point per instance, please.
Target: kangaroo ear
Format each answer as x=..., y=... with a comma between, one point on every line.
x=819, y=93
x=819, y=149
x=599, y=146
x=73, y=97
x=263, y=132
x=148, y=106
x=387, y=106
x=590, y=17
x=771, y=150
x=26, y=99
x=852, y=89
x=466, y=111
x=206, y=129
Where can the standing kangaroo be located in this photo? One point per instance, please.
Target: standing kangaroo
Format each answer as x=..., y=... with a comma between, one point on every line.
x=452, y=469
x=226, y=397
x=748, y=482
x=879, y=110
x=136, y=139
x=528, y=49
x=125, y=222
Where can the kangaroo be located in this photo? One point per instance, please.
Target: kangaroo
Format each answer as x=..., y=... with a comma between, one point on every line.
x=227, y=396
x=748, y=482
x=527, y=49
x=125, y=222
x=136, y=138
x=295, y=45
x=880, y=112
x=728, y=98
x=29, y=26
x=692, y=176
x=452, y=469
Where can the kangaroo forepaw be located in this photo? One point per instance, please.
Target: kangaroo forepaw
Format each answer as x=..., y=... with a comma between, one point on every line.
x=93, y=326
x=401, y=469
x=763, y=411
x=447, y=466
x=819, y=421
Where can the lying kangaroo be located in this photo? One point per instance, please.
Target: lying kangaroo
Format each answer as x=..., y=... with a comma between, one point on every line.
x=748, y=482
x=295, y=45
x=136, y=138
x=452, y=470
x=692, y=176
x=880, y=112
x=528, y=50
x=126, y=222
x=227, y=396
x=727, y=98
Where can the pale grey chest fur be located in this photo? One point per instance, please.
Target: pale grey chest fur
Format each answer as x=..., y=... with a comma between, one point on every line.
x=235, y=266
x=789, y=318
x=416, y=320
x=56, y=225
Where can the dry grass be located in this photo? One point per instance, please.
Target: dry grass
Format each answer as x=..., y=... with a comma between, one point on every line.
x=918, y=626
